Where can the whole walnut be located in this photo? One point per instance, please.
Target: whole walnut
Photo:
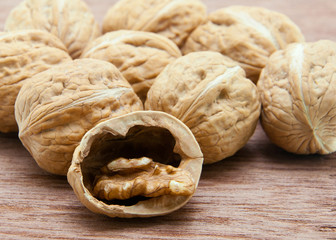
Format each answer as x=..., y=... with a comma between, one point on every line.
x=69, y=20
x=140, y=56
x=22, y=55
x=249, y=35
x=173, y=19
x=210, y=94
x=141, y=164
x=298, y=88
x=55, y=108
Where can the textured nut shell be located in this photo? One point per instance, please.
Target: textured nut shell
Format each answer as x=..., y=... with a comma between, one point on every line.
x=248, y=35
x=22, y=55
x=55, y=108
x=175, y=19
x=210, y=94
x=298, y=88
x=186, y=146
x=140, y=56
x=71, y=21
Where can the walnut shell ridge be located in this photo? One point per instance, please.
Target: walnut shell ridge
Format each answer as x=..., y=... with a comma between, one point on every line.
x=22, y=55
x=55, y=108
x=297, y=89
x=248, y=35
x=210, y=94
x=140, y=56
x=174, y=19
x=69, y=20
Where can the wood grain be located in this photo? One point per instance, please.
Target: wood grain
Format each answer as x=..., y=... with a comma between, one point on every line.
x=260, y=193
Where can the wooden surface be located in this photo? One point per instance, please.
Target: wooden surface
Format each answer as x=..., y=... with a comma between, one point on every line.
x=260, y=193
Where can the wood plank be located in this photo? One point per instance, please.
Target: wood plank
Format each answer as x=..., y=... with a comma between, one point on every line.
x=260, y=193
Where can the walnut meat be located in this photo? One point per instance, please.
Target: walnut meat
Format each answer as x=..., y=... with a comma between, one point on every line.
x=71, y=21
x=22, y=55
x=140, y=56
x=173, y=19
x=210, y=94
x=141, y=164
x=127, y=178
x=298, y=88
x=248, y=35
x=55, y=108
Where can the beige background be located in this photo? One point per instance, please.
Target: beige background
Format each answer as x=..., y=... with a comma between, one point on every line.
x=260, y=193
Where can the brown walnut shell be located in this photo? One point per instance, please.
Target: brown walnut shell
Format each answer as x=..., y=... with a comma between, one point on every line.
x=140, y=56
x=249, y=35
x=69, y=20
x=22, y=55
x=297, y=89
x=210, y=94
x=55, y=108
x=173, y=19
x=136, y=137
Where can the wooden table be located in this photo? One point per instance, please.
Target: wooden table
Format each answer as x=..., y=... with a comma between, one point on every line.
x=260, y=193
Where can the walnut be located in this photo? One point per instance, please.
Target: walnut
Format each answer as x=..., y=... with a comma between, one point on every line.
x=171, y=18
x=55, y=108
x=71, y=21
x=22, y=55
x=127, y=178
x=298, y=88
x=140, y=56
x=248, y=35
x=141, y=164
x=210, y=94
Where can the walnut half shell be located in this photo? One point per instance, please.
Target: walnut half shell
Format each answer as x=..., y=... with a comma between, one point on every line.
x=141, y=164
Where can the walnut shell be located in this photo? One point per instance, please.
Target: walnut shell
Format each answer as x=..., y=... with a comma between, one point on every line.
x=155, y=135
x=71, y=21
x=248, y=35
x=140, y=56
x=298, y=88
x=210, y=94
x=22, y=55
x=55, y=108
x=173, y=19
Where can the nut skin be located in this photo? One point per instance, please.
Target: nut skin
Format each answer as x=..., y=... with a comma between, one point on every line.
x=140, y=56
x=71, y=21
x=249, y=35
x=297, y=89
x=174, y=19
x=210, y=94
x=119, y=127
x=55, y=108
x=22, y=55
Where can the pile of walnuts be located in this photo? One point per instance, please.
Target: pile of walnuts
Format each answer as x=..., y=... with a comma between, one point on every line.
x=130, y=113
